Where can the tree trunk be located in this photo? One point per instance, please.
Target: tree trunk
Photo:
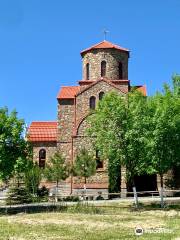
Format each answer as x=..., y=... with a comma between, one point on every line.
x=162, y=190
x=57, y=185
x=85, y=187
x=161, y=180
x=135, y=197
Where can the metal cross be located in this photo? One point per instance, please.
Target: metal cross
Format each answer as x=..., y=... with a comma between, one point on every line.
x=105, y=33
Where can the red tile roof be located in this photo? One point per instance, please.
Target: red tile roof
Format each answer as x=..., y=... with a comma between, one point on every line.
x=68, y=92
x=142, y=89
x=104, y=44
x=42, y=132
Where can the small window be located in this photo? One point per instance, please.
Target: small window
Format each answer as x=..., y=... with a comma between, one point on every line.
x=42, y=158
x=99, y=162
x=120, y=71
x=87, y=71
x=103, y=68
x=101, y=94
x=92, y=102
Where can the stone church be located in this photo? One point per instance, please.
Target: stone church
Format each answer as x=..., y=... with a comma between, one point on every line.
x=104, y=69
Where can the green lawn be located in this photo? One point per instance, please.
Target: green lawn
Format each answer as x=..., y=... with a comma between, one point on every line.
x=109, y=223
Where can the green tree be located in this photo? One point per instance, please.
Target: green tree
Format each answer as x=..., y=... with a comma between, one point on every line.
x=12, y=142
x=19, y=170
x=120, y=126
x=176, y=84
x=32, y=176
x=57, y=169
x=165, y=150
x=84, y=165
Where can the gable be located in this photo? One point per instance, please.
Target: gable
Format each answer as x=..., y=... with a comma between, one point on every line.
x=107, y=83
x=83, y=98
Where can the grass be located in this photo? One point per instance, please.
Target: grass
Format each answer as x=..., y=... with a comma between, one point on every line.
x=91, y=223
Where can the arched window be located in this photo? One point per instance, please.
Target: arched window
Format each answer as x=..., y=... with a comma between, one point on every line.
x=92, y=102
x=120, y=71
x=101, y=94
x=42, y=158
x=103, y=68
x=87, y=71
x=99, y=162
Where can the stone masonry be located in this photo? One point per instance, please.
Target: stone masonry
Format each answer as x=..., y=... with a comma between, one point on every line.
x=74, y=109
x=112, y=58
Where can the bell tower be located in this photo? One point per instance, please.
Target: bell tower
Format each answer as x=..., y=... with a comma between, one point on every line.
x=105, y=60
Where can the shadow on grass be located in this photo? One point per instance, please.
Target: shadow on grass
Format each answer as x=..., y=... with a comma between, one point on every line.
x=155, y=206
x=79, y=207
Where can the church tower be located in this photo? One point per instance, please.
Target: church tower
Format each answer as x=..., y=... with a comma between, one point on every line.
x=105, y=60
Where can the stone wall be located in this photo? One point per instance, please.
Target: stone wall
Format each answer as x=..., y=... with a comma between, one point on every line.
x=112, y=58
x=65, y=148
x=50, y=148
x=82, y=100
x=65, y=119
x=101, y=176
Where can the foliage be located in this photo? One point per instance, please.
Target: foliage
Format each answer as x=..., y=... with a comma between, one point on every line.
x=19, y=169
x=18, y=195
x=71, y=199
x=119, y=125
x=57, y=169
x=85, y=164
x=176, y=84
x=141, y=133
x=12, y=143
x=43, y=192
x=165, y=139
x=32, y=177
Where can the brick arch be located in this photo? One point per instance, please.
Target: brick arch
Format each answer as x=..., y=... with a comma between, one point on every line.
x=80, y=122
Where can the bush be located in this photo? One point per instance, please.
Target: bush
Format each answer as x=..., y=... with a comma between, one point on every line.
x=43, y=192
x=18, y=195
x=71, y=199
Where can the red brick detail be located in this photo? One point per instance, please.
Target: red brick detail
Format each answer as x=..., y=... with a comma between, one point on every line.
x=42, y=132
x=116, y=82
x=68, y=92
x=103, y=45
x=123, y=90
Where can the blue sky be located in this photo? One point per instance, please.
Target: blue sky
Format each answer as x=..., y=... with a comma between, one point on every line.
x=41, y=41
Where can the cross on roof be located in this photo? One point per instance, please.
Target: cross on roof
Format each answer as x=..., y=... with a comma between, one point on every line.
x=105, y=33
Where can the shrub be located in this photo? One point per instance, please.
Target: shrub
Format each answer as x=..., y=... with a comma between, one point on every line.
x=18, y=195
x=71, y=199
x=42, y=192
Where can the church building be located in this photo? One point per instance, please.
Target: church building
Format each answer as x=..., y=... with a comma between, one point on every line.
x=104, y=69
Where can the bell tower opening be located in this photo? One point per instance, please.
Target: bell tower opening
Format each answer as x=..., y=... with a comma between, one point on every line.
x=87, y=71
x=120, y=71
x=103, y=68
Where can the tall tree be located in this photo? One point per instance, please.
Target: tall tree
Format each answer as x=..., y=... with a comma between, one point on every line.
x=57, y=169
x=32, y=176
x=85, y=165
x=165, y=149
x=12, y=143
x=120, y=125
